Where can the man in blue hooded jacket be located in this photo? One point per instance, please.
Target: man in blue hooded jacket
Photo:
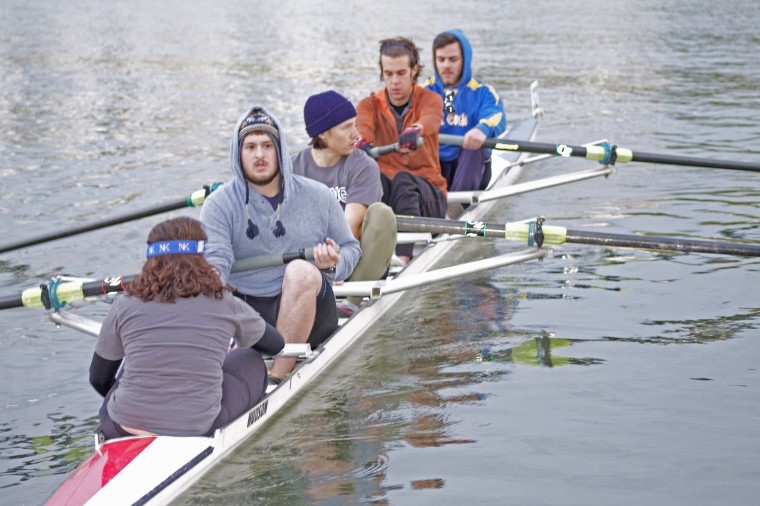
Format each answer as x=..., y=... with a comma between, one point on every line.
x=471, y=108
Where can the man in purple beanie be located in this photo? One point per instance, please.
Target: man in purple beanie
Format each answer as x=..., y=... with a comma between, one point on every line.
x=354, y=179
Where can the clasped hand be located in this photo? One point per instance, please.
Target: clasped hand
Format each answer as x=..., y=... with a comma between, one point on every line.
x=326, y=254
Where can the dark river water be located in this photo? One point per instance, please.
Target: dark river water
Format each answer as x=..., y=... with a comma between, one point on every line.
x=599, y=376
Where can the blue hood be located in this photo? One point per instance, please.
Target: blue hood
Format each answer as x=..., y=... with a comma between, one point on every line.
x=466, y=64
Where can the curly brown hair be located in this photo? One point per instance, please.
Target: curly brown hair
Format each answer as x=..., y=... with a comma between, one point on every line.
x=166, y=277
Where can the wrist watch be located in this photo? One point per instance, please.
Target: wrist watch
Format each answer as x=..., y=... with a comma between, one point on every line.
x=330, y=270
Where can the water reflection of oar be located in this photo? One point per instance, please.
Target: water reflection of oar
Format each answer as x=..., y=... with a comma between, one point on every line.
x=603, y=153
x=58, y=292
x=538, y=352
x=537, y=233
x=193, y=200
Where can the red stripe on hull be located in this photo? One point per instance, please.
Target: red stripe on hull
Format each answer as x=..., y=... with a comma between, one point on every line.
x=98, y=470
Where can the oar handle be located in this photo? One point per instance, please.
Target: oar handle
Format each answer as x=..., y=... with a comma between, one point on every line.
x=264, y=261
x=379, y=151
x=274, y=260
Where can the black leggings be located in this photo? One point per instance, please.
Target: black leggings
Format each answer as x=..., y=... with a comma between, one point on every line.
x=243, y=386
x=410, y=195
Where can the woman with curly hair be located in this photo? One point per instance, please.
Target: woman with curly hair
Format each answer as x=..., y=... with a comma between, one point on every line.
x=172, y=330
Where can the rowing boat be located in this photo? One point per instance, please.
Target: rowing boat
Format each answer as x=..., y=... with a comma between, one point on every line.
x=157, y=469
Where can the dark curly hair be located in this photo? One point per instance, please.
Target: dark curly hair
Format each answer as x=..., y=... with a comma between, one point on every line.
x=166, y=277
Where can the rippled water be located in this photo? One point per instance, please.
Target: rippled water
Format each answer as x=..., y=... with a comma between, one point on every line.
x=599, y=376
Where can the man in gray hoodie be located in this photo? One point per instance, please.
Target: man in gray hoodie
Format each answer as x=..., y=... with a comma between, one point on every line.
x=266, y=210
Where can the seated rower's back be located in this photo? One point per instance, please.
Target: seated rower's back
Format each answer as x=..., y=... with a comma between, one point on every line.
x=172, y=330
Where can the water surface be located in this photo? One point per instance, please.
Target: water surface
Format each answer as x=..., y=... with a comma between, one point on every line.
x=598, y=376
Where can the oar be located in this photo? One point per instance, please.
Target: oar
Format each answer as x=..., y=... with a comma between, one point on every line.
x=528, y=232
x=604, y=154
x=193, y=200
x=59, y=292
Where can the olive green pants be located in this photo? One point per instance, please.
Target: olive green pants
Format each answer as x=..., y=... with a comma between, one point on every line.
x=378, y=242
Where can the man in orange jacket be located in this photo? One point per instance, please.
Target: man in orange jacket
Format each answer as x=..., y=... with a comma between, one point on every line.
x=404, y=112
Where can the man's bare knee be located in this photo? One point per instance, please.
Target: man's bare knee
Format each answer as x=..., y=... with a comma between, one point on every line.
x=303, y=276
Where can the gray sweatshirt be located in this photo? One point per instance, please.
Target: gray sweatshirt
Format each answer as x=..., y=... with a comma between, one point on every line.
x=309, y=213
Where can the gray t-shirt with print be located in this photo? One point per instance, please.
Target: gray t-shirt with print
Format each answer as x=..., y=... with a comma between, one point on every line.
x=171, y=382
x=355, y=178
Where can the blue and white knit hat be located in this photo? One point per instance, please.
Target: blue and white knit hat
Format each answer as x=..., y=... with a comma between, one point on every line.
x=259, y=121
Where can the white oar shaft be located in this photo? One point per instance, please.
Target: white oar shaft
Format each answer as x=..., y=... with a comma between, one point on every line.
x=376, y=289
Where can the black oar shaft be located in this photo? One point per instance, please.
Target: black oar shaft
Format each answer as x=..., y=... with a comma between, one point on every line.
x=537, y=147
x=691, y=161
x=194, y=199
x=440, y=226
x=10, y=301
x=93, y=226
x=661, y=243
x=515, y=145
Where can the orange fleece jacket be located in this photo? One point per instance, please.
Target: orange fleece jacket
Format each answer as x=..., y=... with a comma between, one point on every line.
x=377, y=124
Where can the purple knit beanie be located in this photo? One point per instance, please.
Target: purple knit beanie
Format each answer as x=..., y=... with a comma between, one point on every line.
x=325, y=110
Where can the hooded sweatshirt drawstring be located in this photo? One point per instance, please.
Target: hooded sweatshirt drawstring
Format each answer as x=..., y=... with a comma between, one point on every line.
x=258, y=121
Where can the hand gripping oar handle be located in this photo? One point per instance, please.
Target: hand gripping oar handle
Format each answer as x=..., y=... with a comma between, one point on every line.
x=390, y=148
x=602, y=153
x=521, y=232
x=274, y=260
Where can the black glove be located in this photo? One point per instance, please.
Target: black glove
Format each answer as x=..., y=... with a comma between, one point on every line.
x=409, y=138
x=363, y=144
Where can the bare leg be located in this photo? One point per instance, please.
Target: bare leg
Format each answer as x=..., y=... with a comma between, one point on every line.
x=298, y=307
